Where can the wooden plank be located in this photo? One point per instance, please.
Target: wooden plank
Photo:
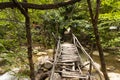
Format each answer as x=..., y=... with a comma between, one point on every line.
x=67, y=45
x=65, y=64
x=65, y=61
x=69, y=57
x=69, y=52
x=68, y=49
x=74, y=75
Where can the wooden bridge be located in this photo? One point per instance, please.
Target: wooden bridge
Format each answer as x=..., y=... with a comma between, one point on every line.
x=70, y=64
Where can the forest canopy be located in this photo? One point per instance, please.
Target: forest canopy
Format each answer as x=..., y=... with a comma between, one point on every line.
x=75, y=15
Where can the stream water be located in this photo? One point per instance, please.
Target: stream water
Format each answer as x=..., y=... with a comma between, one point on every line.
x=111, y=62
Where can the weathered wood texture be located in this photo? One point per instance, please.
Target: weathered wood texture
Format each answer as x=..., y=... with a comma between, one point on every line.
x=68, y=63
x=74, y=75
x=68, y=53
x=68, y=60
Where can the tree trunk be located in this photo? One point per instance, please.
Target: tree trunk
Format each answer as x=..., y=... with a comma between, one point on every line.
x=24, y=11
x=29, y=42
x=97, y=37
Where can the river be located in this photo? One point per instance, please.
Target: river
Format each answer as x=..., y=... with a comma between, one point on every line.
x=111, y=62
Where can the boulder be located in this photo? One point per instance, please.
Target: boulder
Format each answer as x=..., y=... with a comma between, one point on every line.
x=57, y=76
x=43, y=59
x=2, y=71
x=37, y=48
x=111, y=68
x=50, y=51
x=87, y=65
x=41, y=53
x=11, y=75
x=118, y=59
x=114, y=76
x=44, y=62
x=35, y=51
x=48, y=64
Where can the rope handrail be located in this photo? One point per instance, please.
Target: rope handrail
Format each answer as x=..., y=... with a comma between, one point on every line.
x=84, y=51
x=55, y=60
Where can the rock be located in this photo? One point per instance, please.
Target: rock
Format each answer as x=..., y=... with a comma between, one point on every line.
x=2, y=71
x=42, y=59
x=87, y=66
x=48, y=65
x=10, y=75
x=1, y=60
x=57, y=76
x=105, y=53
x=44, y=62
x=110, y=68
x=35, y=51
x=41, y=53
x=37, y=48
x=4, y=54
x=96, y=53
x=118, y=59
x=118, y=56
x=114, y=76
x=49, y=51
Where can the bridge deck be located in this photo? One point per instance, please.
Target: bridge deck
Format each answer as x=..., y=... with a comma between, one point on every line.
x=69, y=64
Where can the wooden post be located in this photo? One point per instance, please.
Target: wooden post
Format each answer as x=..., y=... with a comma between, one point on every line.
x=24, y=11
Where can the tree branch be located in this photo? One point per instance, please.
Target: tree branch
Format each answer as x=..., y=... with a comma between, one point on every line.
x=4, y=5
x=20, y=7
x=97, y=10
x=90, y=10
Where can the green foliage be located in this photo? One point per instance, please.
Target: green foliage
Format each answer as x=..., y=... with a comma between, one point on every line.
x=109, y=16
x=2, y=48
x=16, y=58
x=9, y=44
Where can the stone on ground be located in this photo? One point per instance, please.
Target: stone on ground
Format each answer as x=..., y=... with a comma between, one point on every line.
x=114, y=76
x=11, y=75
x=43, y=59
x=41, y=53
x=2, y=71
x=87, y=65
x=49, y=51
